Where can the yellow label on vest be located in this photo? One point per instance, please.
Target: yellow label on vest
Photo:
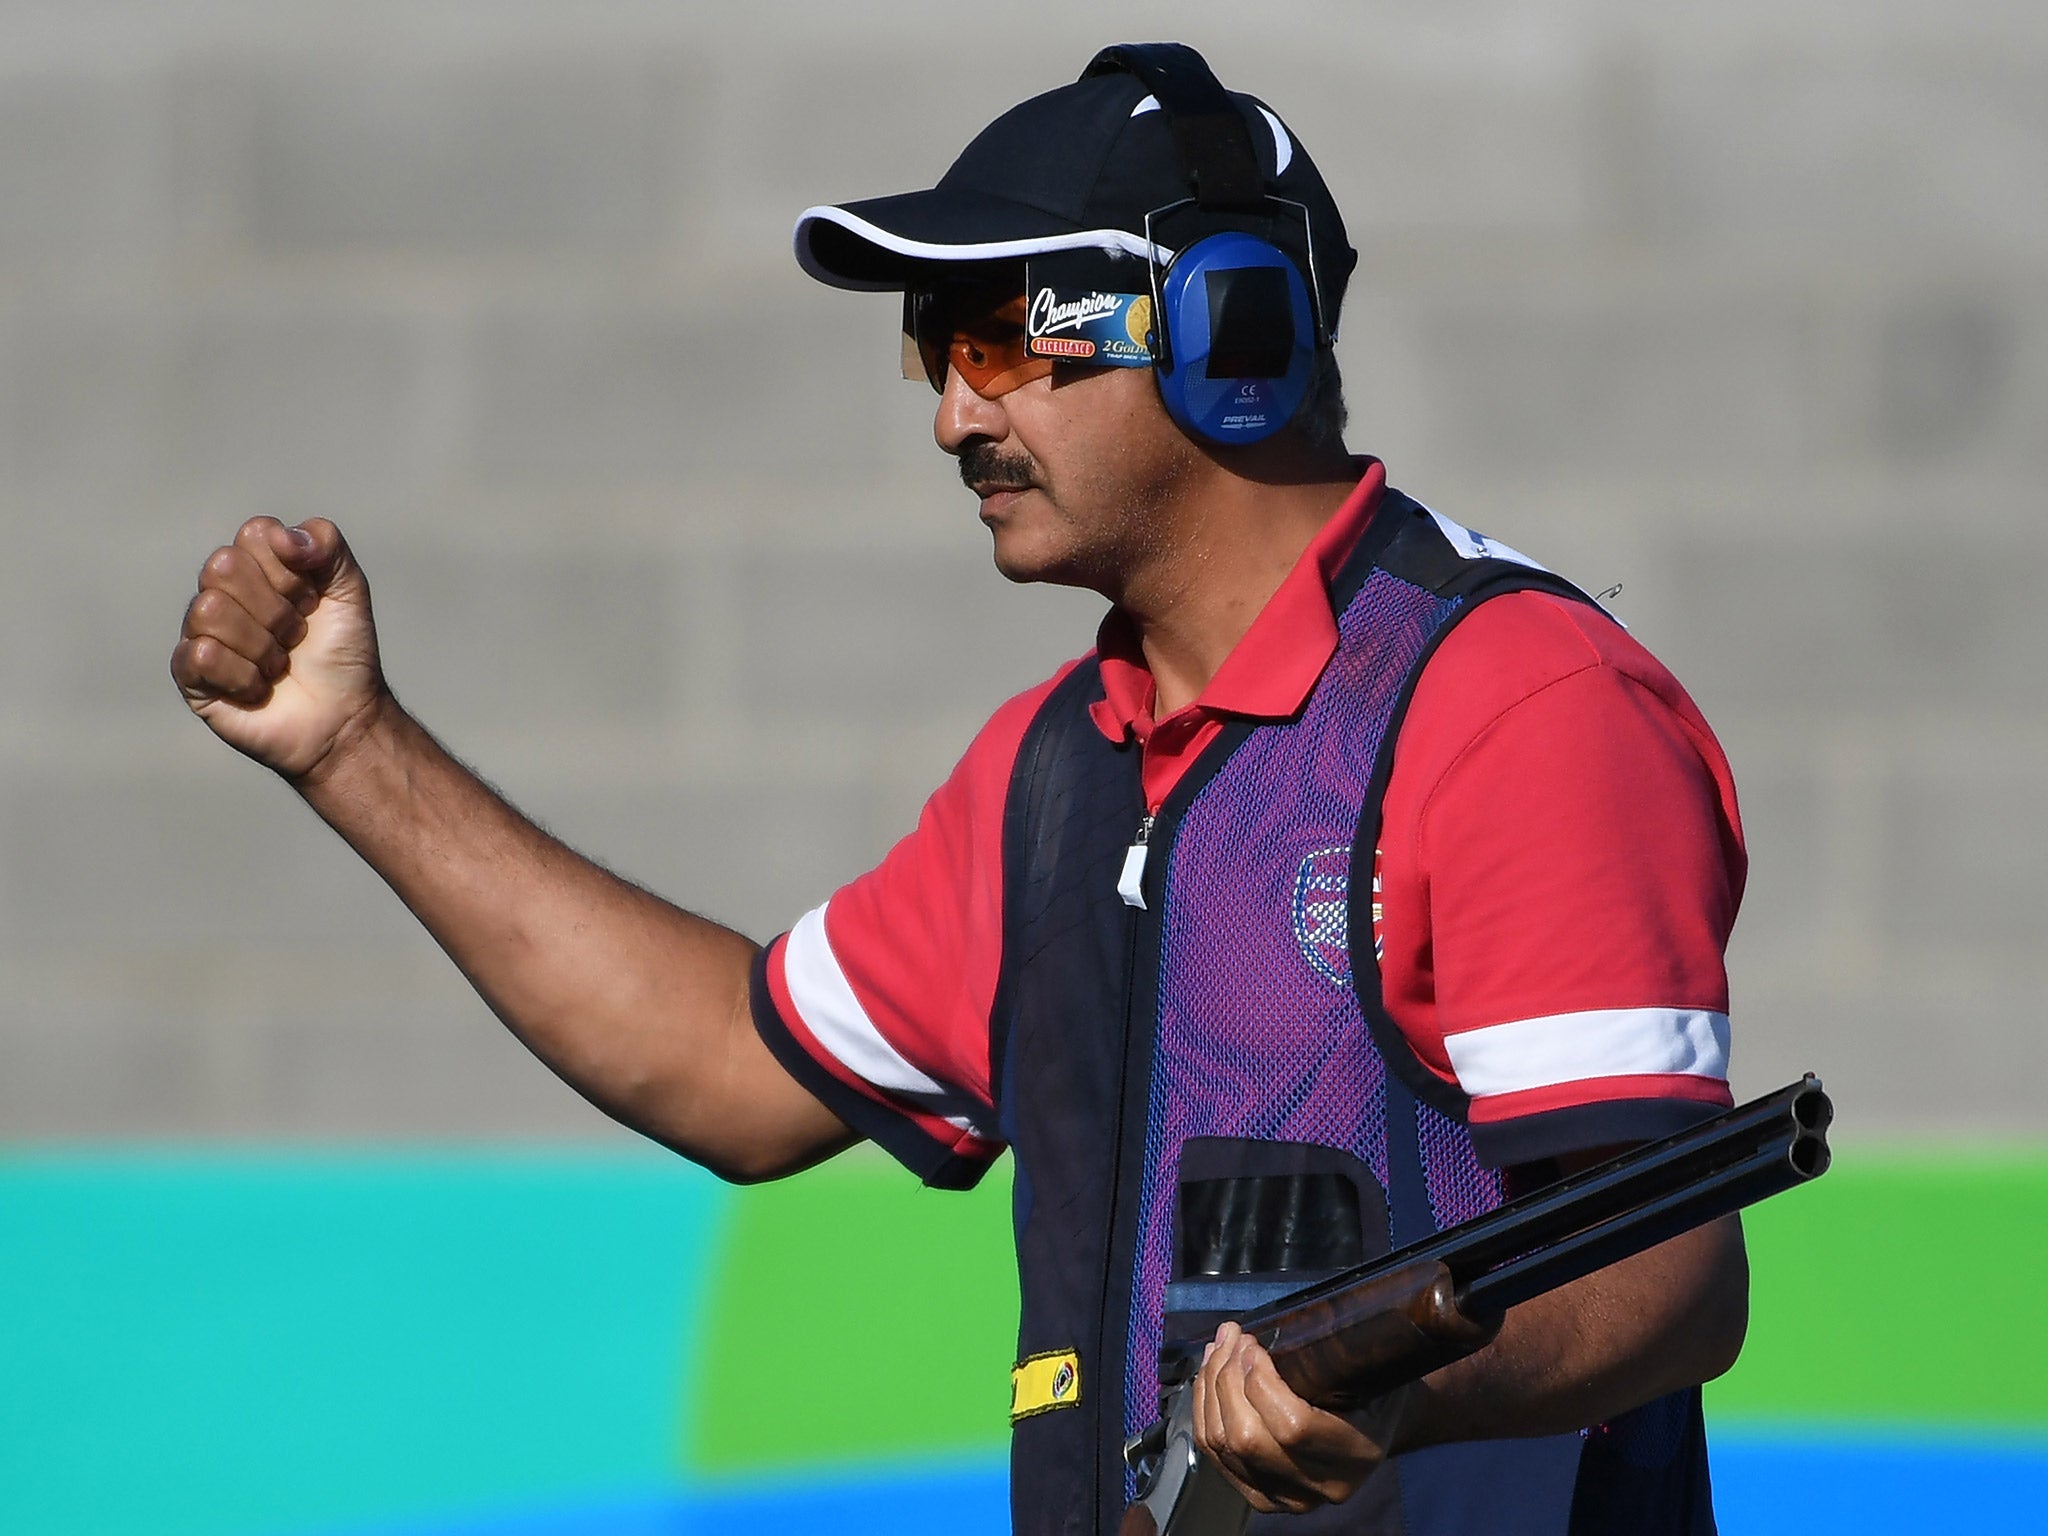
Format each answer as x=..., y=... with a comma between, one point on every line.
x=1045, y=1382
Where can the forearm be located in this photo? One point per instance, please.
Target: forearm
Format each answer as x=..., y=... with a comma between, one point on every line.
x=1670, y=1317
x=640, y=1006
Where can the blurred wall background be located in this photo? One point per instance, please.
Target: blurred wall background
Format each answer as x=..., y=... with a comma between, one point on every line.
x=1741, y=307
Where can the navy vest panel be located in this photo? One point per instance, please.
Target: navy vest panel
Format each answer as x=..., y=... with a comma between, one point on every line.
x=1235, y=1026
x=1060, y=1033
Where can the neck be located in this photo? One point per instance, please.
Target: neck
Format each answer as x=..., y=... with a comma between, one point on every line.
x=1232, y=537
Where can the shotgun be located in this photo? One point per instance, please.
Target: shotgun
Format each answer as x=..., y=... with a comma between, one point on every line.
x=1344, y=1340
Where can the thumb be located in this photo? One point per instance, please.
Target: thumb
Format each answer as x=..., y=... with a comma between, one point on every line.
x=315, y=551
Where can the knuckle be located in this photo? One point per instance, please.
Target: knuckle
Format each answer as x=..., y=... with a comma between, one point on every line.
x=210, y=607
x=255, y=528
x=195, y=663
x=222, y=565
x=1289, y=1424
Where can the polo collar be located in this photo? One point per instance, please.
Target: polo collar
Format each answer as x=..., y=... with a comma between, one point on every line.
x=1269, y=673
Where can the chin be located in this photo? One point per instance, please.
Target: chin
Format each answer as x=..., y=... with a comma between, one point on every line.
x=1018, y=567
x=1057, y=568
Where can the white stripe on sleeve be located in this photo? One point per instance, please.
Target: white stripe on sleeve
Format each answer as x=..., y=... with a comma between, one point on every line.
x=1602, y=1042
x=833, y=1013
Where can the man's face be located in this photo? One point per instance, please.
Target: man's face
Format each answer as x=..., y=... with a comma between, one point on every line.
x=1080, y=471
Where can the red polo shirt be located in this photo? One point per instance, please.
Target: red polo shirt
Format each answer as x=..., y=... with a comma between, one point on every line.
x=1559, y=866
x=1268, y=674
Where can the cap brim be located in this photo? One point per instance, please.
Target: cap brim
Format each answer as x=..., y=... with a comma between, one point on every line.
x=884, y=243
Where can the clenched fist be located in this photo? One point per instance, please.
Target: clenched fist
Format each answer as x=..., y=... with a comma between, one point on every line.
x=279, y=651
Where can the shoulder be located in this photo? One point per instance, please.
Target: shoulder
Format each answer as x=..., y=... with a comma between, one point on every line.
x=1517, y=644
x=1536, y=661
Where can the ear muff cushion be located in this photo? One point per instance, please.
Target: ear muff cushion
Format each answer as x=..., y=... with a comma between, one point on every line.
x=1218, y=303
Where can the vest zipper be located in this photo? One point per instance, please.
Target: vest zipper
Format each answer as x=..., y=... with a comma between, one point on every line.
x=1130, y=885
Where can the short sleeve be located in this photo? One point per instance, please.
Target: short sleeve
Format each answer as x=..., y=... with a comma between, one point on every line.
x=1561, y=882
x=879, y=1000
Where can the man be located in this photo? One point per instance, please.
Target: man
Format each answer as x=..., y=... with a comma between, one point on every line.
x=1362, y=872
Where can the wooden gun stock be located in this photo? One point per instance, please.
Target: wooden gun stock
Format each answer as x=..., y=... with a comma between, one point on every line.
x=1342, y=1351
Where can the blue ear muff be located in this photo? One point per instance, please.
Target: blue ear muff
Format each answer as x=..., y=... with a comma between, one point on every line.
x=1239, y=339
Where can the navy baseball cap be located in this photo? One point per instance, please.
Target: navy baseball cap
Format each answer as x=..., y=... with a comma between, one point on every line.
x=1075, y=171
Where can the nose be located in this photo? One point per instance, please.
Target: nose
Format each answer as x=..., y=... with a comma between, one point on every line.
x=963, y=415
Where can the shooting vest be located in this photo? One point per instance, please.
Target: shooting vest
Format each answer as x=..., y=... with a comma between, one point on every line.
x=1207, y=1101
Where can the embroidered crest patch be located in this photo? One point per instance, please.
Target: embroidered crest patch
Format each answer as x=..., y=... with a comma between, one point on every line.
x=1322, y=924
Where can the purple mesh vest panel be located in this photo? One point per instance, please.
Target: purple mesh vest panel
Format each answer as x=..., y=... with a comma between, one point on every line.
x=1260, y=1034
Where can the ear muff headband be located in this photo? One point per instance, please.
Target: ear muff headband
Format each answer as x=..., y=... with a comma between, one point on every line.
x=1216, y=154
x=1237, y=327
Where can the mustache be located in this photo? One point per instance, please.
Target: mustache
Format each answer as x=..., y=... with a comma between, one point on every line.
x=984, y=466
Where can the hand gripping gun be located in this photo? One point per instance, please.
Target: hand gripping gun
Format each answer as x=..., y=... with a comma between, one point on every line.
x=1345, y=1340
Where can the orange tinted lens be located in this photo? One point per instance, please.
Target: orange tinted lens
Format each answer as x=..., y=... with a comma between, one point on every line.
x=986, y=344
x=995, y=370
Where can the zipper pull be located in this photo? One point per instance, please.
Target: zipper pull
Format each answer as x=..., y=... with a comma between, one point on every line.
x=1131, y=883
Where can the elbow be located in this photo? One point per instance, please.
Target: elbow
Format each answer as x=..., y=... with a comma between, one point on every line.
x=744, y=1166
x=1731, y=1328
x=730, y=1162
x=1724, y=1309
x=1716, y=1345
x=726, y=1104
x=731, y=1171
x=723, y=1150
x=744, y=1150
